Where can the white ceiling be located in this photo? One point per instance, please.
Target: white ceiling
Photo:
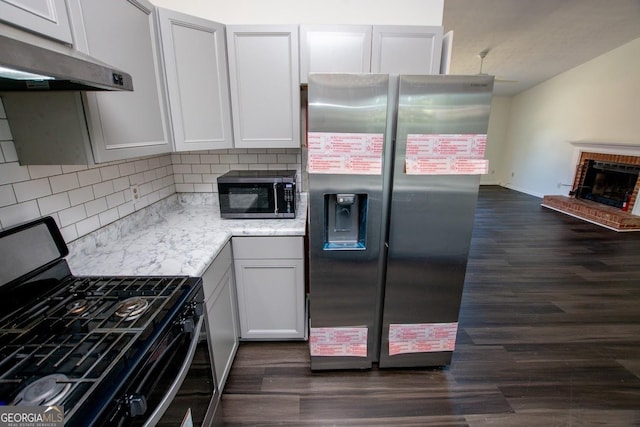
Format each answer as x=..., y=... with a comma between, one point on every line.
x=531, y=41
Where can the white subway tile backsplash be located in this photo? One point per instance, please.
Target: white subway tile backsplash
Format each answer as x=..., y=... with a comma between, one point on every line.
x=89, y=177
x=9, y=151
x=81, y=195
x=201, y=168
x=73, y=168
x=127, y=169
x=210, y=178
x=108, y=217
x=229, y=158
x=146, y=188
x=220, y=169
x=209, y=158
x=55, y=203
x=103, y=188
x=126, y=209
x=72, y=215
x=64, y=182
x=18, y=213
x=181, y=168
x=184, y=188
x=83, y=198
x=190, y=158
x=88, y=225
x=5, y=131
x=33, y=189
x=203, y=188
x=150, y=175
x=96, y=206
x=287, y=158
x=141, y=165
x=69, y=233
x=248, y=158
x=267, y=158
x=110, y=172
x=42, y=171
x=115, y=199
x=155, y=162
x=137, y=178
x=192, y=178
x=121, y=184
x=7, y=196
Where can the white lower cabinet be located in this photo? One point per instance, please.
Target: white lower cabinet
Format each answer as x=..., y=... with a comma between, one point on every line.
x=221, y=313
x=270, y=283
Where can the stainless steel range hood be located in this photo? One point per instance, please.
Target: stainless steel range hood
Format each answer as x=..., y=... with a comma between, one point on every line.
x=26, y=67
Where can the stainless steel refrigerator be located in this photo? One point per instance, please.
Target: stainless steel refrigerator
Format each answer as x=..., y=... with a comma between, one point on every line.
x=394, y=166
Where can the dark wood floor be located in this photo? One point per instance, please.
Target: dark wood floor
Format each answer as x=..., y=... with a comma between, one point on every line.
x=549, y=336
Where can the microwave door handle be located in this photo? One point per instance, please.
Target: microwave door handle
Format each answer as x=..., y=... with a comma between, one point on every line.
x=275, y=197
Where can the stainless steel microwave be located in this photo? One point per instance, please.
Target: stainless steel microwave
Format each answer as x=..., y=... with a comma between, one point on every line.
x=257, y=194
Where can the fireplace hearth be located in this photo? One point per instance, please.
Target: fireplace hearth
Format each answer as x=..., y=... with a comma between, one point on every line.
x=604, y=191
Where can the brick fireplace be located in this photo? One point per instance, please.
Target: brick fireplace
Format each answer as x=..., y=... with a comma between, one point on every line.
x=604, y=190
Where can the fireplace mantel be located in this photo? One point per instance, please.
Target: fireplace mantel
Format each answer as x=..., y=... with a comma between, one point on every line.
x=631, y=149
x=607, y=146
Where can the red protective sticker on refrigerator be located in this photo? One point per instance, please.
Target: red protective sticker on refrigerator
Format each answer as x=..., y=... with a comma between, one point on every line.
x=345, y=153
x=422, y=337
x=446, y=154
x=338, y=341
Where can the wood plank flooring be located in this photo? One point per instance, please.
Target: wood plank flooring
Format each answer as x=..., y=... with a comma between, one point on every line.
x=549, y=336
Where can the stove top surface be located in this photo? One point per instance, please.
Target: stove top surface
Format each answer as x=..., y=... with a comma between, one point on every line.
x=63, y=346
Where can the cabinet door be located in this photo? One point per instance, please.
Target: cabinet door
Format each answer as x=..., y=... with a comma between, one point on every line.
x=124, y=124
x=223, y=326
x=195, y=63
x=46, y=17
x=222, y=312
x=406, y=49
x=334, y=48
x=265, y=88
x=270, y=298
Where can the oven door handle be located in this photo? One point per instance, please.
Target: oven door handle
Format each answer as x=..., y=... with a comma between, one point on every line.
x=175, y=386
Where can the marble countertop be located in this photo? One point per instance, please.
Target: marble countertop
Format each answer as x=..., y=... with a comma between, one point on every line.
x=179, y=235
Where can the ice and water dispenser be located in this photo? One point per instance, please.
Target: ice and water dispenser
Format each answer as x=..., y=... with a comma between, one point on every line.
x=345, y=221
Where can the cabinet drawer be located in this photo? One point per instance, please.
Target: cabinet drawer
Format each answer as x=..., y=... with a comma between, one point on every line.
x=216, y=270
x=285, y=247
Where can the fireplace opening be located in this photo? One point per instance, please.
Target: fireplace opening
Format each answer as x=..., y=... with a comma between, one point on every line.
x=608, y=183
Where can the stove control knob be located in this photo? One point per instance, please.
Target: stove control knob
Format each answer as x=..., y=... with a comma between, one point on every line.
x=136, y=404
x=188, y=326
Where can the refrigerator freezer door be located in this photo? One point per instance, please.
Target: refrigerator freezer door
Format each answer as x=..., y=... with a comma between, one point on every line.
x=431, y=219
x=345, y=218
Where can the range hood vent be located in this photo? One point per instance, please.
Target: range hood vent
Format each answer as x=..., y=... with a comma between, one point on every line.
x=26, y=67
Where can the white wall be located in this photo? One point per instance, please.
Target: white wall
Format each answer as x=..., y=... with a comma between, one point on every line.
x=400, y=12
x=496, y=139
x=597, y=101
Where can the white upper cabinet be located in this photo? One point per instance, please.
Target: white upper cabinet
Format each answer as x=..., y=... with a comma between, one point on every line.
x=123, y=33
x=364, y=48
x=334, y=48
x=406, y=49
x=195, y=63
x=45, y=17
x=265, y=86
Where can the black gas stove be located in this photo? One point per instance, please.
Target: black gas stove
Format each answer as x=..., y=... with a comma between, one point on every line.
x=109, y=350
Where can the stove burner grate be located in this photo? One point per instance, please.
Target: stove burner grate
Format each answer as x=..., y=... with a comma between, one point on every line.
x=45, y=391
x=132, y=308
